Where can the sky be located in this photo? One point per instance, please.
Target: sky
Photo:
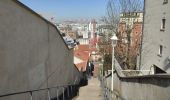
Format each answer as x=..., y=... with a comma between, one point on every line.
x=68, y=9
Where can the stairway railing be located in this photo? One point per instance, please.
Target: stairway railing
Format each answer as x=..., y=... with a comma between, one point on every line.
x=68, y=92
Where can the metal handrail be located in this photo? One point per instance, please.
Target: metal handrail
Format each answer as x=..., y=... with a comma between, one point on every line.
x=31, y=91
x=107, y=93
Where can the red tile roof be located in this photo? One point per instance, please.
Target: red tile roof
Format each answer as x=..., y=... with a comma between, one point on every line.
x=83, y=55
x=82, y=66
x=83, y=52
x=85, y=48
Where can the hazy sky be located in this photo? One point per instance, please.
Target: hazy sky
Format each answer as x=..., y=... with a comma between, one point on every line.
x=68, y=9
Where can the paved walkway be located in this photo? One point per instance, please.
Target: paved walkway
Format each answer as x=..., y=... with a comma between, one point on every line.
x=90, y=92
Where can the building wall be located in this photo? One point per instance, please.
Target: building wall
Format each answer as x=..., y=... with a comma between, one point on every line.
x=121, y=48
x=83, y=41
x=33, y=54
x=135, y=39
x=155, y=11
x=132, y=17
x=128, y=48
x=92, y=28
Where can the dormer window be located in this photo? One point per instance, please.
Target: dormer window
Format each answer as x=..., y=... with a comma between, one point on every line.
x=165, y=1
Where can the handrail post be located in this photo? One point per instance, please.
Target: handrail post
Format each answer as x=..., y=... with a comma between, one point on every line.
x=63, y=93
x=31, y=96
x=49, y=98
x=57, y=94
x=71, y=91
x=68, y=90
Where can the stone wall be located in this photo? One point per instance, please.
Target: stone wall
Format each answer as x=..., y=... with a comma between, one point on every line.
x=150, y=87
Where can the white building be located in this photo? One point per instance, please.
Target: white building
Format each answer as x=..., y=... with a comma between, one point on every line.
x=92, y=28
x=83, y=34
x=132, y=17
x=156, y=36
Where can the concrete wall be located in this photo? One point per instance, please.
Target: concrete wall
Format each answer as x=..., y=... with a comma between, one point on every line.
x=155, y=11
x=33, y=54
x=153, y=87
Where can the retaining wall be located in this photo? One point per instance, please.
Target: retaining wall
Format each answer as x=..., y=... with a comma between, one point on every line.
x=33, y=54
x=149, y=87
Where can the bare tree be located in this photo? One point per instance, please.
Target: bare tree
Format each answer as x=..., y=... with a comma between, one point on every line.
x=116, y=8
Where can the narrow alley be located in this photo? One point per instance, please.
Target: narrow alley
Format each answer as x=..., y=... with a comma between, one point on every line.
x=84, y=49
x=92, y=91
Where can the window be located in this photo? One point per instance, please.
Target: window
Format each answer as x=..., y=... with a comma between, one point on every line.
x=160, y=50
x=163, y=24
x=165, y=1
x=136, y=14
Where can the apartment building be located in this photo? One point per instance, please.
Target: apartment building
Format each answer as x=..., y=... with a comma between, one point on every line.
x=155, y=49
